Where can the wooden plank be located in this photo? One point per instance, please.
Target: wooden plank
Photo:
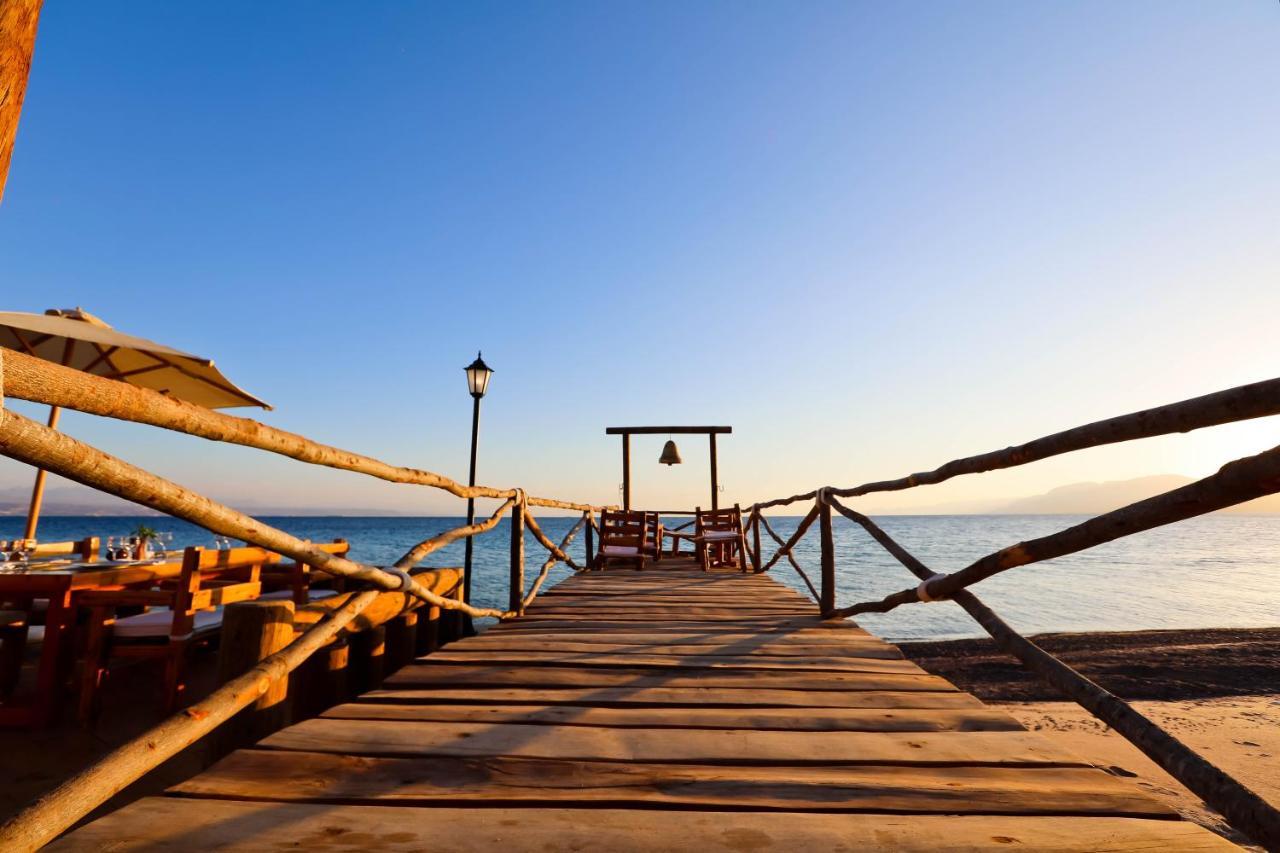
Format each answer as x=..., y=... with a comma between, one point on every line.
x=703, y=746
x=318, y=777
x=760, y=626
x=760, y=719
x=426, y=674
x=666, y=662
x=662, y=614
x=829, y=640
x=682, y=697
x=781, y=652
x=163, y=824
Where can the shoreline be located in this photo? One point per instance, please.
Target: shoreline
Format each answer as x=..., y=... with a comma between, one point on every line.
x=1161, y=665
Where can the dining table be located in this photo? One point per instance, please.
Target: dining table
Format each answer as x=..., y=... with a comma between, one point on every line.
x=60, y=582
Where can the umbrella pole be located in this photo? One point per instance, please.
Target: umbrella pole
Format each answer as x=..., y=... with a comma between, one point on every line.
x=37, y=491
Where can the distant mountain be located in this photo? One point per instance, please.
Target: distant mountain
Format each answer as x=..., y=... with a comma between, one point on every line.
x=77, y=500
x=1095, y=498
x=1075, y=499
x=15, y=500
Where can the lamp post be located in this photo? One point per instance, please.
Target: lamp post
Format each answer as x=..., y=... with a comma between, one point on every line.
x=478, y=374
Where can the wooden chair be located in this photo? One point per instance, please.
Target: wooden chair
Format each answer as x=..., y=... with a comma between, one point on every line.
x=292, y=581
x=208, y=581
x=721, y=540
x=624, y=535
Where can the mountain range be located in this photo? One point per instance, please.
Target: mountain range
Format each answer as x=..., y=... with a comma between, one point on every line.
x=1073, y=499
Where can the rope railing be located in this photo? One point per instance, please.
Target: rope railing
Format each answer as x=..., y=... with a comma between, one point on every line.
x=1236, y=482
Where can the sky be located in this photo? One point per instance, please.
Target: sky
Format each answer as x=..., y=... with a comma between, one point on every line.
x=871, y=237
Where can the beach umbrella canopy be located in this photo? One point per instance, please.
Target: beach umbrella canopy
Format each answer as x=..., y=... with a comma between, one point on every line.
x=77, y=339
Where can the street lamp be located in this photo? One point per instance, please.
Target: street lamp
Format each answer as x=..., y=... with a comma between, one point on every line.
x=478, y=374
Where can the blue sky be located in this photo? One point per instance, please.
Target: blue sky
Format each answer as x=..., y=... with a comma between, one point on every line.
x=870, y=236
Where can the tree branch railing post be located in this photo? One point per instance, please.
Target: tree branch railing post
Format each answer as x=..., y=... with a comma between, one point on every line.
x=755, y=540
x=827, y=600
x=1241, y=806
x=591, y=539
x=516, y=600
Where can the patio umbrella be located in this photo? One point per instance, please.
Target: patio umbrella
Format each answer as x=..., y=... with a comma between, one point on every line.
x=78, y=339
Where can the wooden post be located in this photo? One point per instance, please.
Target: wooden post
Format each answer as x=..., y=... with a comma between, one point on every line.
x=252, y=630
x=755, y=539
x=37, y=488
x=827, y=603
x=715, y=476
x=516, y=601
x=591, y=540
x=368, y=659
x=402, y=640
x=321, y=682
x=429, y=630
x=18, y=22
x=626, y=470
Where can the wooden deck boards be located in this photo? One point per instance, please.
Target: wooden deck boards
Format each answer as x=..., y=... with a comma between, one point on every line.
x=659, y=710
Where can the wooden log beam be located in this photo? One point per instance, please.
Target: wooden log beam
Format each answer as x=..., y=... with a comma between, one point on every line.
x=18, y=22
x=1243, y=808
x=827, y=601
x=1236, y=482
x=48, y=817
x=1256, y=400
x=29, y=378
x=387, y=606
x=807, y=496
x=27, y=441
x=516, y=590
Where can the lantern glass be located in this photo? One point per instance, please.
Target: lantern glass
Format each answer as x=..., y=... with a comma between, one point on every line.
x=478, y=374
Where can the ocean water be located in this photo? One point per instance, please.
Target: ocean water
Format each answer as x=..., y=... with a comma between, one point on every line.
x=1213, y=572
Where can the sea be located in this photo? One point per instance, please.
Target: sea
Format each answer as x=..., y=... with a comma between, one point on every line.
x=1218, y=571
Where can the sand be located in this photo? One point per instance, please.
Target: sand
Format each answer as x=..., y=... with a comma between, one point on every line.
x=1218, y=691
x=1240, y=734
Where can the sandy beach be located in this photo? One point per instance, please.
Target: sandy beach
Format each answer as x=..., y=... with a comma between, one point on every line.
x=1216, y=690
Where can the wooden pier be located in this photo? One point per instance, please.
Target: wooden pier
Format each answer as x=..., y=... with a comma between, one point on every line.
x=669, y=709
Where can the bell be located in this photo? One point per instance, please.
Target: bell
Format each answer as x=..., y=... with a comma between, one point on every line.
x=670, y=456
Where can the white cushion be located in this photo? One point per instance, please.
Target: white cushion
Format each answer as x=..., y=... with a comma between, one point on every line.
x=620, y=551
x=157, y=623
x=718, y=535
x=287, y=595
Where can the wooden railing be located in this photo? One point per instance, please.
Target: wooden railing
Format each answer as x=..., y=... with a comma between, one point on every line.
x=398, y=590
x=1238, y=481
x=389, y=593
